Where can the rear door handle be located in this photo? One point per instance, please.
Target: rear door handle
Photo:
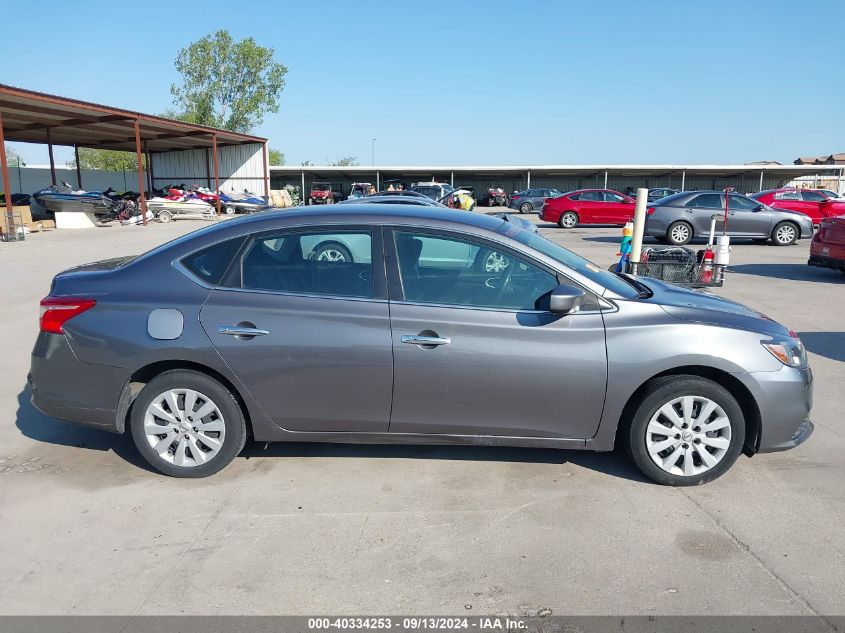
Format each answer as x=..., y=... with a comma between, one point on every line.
x=239, y=330
x=419, y=339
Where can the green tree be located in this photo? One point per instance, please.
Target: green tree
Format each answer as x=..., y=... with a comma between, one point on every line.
x=276, y=157
x=106, y=160
x=346, y=161
x=227, y=84
x=13, y=159
x=306, y=163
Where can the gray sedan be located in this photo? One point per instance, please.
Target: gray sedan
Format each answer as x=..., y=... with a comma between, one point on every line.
x=531, y=200
x=681, y=217
x=244, y=329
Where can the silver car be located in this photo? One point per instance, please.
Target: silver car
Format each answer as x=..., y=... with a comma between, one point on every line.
x=682, y=217
x=242, y=329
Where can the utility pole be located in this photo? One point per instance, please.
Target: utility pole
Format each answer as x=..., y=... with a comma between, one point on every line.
x=373, y=153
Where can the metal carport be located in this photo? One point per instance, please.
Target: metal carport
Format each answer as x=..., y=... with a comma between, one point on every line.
x=35, y=117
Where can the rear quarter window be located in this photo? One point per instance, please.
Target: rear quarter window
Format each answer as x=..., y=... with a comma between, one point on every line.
x=212, y=262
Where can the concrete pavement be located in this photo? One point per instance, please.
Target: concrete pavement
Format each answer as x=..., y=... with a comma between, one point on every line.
x=310, y=529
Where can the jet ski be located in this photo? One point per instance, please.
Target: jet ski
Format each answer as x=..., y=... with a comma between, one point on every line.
x=64, y=198
x=178, y=202
x=245, y=202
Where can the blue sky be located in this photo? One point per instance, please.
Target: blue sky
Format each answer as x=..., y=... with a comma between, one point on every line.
x=485, y=82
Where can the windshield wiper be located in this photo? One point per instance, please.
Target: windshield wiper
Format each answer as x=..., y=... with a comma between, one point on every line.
x=643, y=291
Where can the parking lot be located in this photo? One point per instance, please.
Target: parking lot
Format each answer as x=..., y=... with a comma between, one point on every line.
x=87, y=528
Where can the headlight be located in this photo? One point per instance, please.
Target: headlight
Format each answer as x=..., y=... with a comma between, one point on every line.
x=789, y=351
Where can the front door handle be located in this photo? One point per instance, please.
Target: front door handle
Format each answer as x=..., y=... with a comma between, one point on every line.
x=420, y=339
x=242, y=331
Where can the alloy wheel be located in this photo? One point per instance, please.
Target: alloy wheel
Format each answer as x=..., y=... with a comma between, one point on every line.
x=185, y=427
x=568, y=220
x=688, y=435
x=331, y=255
x=680, y=234
x=785, y=234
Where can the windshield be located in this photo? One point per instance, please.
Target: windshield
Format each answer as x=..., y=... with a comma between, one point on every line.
x=613, y=282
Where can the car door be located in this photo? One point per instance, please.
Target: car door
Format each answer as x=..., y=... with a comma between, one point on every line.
x=747, y=217
x=309, y=336
x=617, y=209
x=700, y=209
x=815, y=205
x=591, y=207
x=476, y=351
x=535, y=197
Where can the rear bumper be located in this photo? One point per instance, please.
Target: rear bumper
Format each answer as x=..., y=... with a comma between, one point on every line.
x=825, y=261
x=785, y=398
x=64, y=387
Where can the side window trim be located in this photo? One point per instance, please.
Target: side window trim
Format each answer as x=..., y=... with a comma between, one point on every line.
x=394, y=278
x=233, y=278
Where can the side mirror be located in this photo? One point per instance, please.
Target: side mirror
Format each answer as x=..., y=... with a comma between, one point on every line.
x=565, y=300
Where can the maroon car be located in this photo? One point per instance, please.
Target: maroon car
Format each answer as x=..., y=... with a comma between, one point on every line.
x=805, y=201
x=589, y=206
x=828, y=246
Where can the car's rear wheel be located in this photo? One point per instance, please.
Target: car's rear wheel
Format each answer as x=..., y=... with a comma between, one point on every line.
x=568, y=220
x=526, y=207
x=186, y=424
x=686, y=430
x=784, y=234
x=679, y=233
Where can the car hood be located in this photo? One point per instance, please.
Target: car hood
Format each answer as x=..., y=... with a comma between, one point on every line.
x=699, y=307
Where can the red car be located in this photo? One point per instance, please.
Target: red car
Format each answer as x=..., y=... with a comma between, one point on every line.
x=828, y=246
x=589, y=206
x=811, y=203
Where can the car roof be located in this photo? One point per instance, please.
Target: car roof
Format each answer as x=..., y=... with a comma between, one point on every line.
x=368, y=213
x=387, y=199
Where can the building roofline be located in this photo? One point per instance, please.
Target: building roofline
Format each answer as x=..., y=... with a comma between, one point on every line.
x=556, y=168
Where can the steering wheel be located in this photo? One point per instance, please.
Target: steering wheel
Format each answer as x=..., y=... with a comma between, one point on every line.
x=504, y=281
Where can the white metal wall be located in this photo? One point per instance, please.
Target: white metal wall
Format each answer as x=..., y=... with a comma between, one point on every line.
x=241, y=167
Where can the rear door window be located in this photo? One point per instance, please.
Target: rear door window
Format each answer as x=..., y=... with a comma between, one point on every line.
x=592, y=196
x=707, y=201
x=333, y=263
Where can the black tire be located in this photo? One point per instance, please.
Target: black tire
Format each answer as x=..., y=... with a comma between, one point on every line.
x=526, y=207
x=323, y=249
x=679, y=233
x=570, y=222
x=227, y=404
x=785, y=233
x=165, y=216
x=662, y=391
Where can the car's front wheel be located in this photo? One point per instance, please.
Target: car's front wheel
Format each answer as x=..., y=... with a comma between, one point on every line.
x=526, y=207
x=186, y=424
x=686, y=430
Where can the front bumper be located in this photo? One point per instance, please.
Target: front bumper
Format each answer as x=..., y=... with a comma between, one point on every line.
x=64, y=387
x=785, y=398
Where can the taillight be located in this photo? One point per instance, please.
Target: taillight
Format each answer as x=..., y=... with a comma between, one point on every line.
x=649, y=210
x=514, y=197
x=56, y=311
